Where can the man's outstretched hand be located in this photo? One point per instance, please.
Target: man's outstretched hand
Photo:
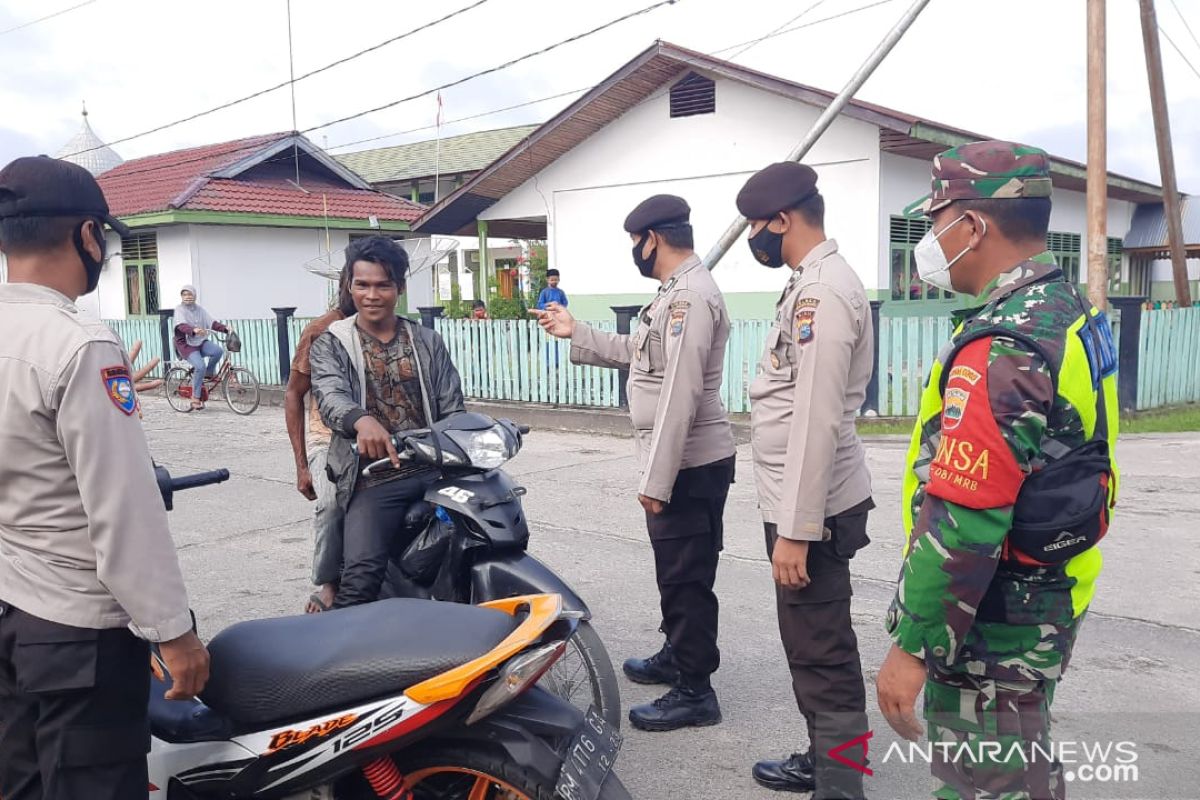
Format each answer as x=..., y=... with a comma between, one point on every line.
x=556, y=321
x=140, y=383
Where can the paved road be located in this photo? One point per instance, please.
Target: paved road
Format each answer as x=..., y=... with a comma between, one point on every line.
x=245, y=548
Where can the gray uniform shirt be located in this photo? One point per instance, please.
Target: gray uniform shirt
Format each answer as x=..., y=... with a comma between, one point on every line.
x=809, y=463
x=675, y=361
x=83, y=532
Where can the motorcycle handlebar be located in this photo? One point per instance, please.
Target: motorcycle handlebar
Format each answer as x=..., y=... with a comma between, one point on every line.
x=199, y=479
x=523, y=429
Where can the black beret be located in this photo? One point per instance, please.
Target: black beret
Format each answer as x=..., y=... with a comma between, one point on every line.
x=659, y=211
x=776, y=188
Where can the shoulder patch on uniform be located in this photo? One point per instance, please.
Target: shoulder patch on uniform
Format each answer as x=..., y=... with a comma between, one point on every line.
x=974, y=465
x=806, y=319
x=119, y=386
x=677, y=315
x=684, y=305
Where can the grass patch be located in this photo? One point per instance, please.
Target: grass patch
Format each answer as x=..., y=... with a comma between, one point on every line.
x=885, y=426
x=1182, y=419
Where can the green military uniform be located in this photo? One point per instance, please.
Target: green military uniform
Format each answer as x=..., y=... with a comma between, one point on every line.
x=994, y=630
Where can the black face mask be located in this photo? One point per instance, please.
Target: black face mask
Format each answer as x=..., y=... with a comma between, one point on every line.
x=91, y=265
x=644, y=265
x=767, y=247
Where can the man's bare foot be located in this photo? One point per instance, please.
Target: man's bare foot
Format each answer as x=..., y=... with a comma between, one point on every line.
x=320, y=600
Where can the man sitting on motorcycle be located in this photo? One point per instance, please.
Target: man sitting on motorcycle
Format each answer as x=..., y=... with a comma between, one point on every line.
x=375, y=374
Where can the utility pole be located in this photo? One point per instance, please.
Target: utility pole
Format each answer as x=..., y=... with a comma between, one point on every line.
x=826, y=119
x=1166, y=156
x=1097, y=165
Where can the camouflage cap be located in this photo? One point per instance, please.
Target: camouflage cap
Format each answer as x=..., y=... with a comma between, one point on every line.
x=998, y=170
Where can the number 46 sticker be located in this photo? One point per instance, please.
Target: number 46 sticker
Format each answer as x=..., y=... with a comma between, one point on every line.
x=456, y=494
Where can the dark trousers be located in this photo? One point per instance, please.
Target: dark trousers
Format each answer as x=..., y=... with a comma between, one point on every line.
x=687, y=538
x=822, y=651
x=374, y=531
x=72, y=711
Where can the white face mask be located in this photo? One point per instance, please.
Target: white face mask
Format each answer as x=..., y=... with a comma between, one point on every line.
x=932, y=266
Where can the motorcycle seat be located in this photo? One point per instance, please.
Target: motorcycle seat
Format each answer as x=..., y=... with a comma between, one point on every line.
x=269, y=671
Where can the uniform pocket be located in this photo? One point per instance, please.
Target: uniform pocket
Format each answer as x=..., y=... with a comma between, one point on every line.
x=55, y=658
x=777, y=363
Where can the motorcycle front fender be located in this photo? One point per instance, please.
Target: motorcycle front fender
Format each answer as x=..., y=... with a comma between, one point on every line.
x=513, y=574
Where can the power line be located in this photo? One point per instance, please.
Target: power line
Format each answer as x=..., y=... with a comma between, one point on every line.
x=776, y=32
x=1186, y=60
x=496, y=68
x=25, y=25
x=1185, y=23
x=461, y=119
x=291, y=82
x=761, y=39
x=258, y=145
x=806, y=25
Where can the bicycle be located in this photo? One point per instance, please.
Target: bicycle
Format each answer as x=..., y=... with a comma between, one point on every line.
x=239, y=385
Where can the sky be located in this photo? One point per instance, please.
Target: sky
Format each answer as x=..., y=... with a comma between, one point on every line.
x=1011, y=69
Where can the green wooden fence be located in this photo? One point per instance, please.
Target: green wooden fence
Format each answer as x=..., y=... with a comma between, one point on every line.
x=260, y=343
x=1169, y=357
x=515, y=360
x=907, y=349
x=503, y=359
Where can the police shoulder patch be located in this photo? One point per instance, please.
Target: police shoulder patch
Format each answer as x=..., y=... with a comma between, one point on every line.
x=974, y=465
x=806, y=319
x=118, y=384
x=677, y=317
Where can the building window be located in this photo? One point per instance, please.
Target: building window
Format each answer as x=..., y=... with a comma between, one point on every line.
x=139, y=257
x=1066, y=250
x=906, y=285
x=693, y=95
x=1115, y=249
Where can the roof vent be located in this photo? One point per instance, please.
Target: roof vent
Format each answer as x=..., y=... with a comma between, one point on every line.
x=693, y=95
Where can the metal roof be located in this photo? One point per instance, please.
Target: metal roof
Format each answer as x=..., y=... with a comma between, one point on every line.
x=87, y=150
x=469, y=152
x=1148, y=229
x=662, y=64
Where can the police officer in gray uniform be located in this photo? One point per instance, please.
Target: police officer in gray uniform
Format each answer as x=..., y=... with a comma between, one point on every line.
x=685, y=450
x=88, y=571
x=810, y=470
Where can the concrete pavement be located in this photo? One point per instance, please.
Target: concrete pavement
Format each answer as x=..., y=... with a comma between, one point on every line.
x=246, y=550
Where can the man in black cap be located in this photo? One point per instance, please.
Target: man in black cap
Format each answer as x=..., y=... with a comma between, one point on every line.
x=82, y=522
x=685, y=450
x=810, y=471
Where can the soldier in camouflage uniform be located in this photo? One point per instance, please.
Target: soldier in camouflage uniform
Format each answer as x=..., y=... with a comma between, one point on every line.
x=984, y=630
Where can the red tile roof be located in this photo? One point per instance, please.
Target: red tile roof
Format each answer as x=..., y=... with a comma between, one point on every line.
x=181, y=180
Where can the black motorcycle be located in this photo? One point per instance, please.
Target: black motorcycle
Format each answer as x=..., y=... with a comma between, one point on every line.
x=402, y=698
x=473, y=541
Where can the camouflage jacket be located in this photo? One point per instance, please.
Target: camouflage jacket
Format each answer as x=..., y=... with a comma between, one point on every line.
x=958, y=605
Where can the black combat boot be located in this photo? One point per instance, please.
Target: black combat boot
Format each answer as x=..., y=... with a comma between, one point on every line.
x=793, y=774
x=658, y=668
x=691, y=704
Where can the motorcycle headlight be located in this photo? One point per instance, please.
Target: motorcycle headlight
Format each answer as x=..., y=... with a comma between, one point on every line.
x=431, y=453
x=487, y=448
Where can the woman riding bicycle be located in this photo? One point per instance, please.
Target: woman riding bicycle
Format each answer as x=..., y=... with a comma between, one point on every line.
x=192, y=327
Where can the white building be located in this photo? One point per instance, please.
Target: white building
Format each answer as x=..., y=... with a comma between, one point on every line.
x=680, y=122
x=245, y=222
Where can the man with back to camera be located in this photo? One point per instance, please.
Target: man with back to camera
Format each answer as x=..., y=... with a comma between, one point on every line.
x=82, y=521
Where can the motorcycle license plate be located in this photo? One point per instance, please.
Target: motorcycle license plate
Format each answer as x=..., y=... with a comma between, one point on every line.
x=589, y=759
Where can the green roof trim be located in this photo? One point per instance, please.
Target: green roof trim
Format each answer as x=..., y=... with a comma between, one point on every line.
x=261, y=220
x=469, y=152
